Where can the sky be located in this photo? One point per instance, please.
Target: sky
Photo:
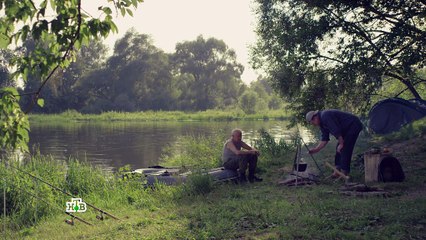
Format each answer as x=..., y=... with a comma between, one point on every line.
x=171, y=21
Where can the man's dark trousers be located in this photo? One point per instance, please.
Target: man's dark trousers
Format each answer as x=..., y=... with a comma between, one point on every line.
x=343, y=159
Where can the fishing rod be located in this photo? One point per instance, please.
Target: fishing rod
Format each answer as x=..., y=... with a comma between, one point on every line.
x=66, y=193
x=70, y=214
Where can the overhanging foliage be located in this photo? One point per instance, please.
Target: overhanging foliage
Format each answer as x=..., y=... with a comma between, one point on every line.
x=58, y=29
x=338, y=53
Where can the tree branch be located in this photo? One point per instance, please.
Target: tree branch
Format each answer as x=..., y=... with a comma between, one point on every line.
x=64, y=57
x=402, y=49
x=398, y=21
x=409, y=85
x=328, y=58
x=32, y=3
x=362, y=33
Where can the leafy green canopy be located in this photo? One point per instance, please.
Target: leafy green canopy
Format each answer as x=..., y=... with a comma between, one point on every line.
x=58, y=29
x=338, y=53
x=209, y=71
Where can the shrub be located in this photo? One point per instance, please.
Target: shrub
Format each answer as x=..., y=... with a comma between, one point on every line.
x=199, y=183
x=195, y=152
x=275, y=152
x=82, y=178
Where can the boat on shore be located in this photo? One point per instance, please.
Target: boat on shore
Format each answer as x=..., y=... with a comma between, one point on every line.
x=175, y=176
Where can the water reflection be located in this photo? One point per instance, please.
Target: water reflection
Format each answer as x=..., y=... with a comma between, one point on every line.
x=140, y=144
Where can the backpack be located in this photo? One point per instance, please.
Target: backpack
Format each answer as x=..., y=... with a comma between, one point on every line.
x=390, y=170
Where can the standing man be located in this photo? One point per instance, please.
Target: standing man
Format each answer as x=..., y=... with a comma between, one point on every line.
x=234, y=157
x=342, y=125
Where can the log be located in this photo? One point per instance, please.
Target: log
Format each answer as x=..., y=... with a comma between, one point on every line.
x=337, y=171
x=371, y=166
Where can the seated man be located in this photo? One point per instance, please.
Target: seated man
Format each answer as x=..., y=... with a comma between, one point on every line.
x=234, y=158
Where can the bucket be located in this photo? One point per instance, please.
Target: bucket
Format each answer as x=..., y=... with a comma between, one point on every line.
x=302, y=167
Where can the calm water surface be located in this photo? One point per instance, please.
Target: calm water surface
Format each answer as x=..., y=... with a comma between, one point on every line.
x=114, y=144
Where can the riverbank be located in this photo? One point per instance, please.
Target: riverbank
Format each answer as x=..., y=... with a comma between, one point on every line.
x=208, y=115
x=263, y=210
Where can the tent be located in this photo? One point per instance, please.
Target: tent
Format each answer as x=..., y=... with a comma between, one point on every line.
x=391, y=114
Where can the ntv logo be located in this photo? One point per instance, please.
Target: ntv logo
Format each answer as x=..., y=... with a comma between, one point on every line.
x=76, y=205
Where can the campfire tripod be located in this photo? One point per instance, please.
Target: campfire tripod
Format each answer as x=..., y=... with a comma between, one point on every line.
x=321, y=172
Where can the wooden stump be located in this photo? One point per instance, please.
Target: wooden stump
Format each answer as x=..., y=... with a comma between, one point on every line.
x=371, y=166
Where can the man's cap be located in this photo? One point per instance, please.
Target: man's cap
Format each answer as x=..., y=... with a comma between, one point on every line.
x=310, y=115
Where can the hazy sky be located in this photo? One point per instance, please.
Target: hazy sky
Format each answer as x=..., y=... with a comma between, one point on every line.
x=172, y=21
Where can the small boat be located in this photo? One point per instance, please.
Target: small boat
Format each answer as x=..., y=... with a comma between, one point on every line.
x=172, y=176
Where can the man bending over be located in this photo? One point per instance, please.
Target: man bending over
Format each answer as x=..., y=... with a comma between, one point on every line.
x=344, y=126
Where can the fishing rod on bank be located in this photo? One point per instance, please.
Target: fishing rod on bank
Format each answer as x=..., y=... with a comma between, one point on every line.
x=67, y=193
x=71, y=222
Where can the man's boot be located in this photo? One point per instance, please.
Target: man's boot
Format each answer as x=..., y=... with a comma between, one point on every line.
x=252, y=178
x=242, y=178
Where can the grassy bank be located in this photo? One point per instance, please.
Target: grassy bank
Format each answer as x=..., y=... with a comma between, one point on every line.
x=201, y=210
x=208, y=115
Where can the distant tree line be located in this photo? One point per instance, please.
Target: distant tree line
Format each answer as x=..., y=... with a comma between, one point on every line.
x=201, y=74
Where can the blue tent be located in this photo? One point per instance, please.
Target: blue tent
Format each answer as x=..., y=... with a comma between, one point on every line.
x=391, y=114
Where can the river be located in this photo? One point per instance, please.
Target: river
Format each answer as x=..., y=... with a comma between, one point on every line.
x=140, y=144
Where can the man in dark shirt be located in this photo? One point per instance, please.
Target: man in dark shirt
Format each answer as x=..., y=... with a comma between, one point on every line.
x=342, y=125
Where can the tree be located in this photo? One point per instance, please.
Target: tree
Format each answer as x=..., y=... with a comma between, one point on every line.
x=210, y=71
x=89, y=58
x=136, y=77
x=66, y=28
x=63, y=91
x=266, y=94
x=338, y=53
x=248, y=101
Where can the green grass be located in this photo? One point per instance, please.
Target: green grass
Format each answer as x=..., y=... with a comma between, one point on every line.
x=232, y=211
x=208, y=115
x=202, y=210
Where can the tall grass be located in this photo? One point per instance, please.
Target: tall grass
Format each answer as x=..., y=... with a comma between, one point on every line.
x=196, y=152
x=29, y=201
x=201, y=152
x=275, y=152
